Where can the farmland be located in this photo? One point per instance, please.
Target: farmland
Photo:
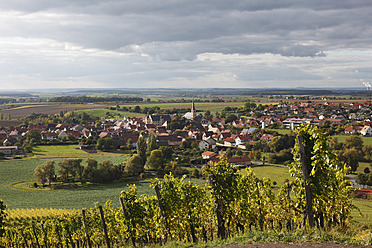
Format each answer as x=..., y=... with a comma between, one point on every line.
x=19, y=111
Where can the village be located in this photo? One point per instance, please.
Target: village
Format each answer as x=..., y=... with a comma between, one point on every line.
x=242, y=130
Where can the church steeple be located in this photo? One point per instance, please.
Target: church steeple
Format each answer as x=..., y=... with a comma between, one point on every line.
x=193, y=111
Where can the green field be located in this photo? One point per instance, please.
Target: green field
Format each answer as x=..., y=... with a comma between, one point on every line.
x=100, y=113
x=281, y=131
x=277, y=174
x=67, y=151
x=366, y=140
x=13, y=171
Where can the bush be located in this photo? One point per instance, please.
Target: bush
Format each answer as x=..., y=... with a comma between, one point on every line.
x=195, y=173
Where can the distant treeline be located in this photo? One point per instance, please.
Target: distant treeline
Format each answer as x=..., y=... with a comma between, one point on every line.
x=16, y=94
x=291, y=92
x=87, y=99
x=7, y=100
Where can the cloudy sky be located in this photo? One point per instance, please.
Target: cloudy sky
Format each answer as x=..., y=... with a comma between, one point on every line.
x=185, y=43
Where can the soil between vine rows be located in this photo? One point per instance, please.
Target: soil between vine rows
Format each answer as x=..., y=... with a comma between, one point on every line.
x=296, y=244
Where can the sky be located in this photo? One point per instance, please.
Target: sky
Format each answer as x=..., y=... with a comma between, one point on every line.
x=185, y=44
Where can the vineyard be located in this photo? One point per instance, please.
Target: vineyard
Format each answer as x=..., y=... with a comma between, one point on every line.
x=228, y=204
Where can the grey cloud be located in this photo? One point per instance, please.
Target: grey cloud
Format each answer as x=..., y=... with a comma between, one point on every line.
x=196, y=26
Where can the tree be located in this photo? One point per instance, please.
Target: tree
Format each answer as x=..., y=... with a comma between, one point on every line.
x=185, y=144
x=367, y=150
x=228, y=153
x=130, y=144
x=155, y=161
x=45, y=172
x=151, y=142
x=40, y=174
x=334, y=144
x=167, y=152
x=254, y=155
x=34, y=134
x=354, y=141
x=208, y=115
x=141, y=148
x=107, y=172
x=352, y=157
x=70, y=167
x=106, y=144
x=230, y=118
x=134, y=165
x=90, y=169
x=239, y=152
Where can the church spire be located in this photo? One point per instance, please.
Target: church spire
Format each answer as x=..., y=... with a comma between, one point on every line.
x=193, y=111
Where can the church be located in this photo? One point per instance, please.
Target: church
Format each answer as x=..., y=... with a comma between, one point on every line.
x=191, y=115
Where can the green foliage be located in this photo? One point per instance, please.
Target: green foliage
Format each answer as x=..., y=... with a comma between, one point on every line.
x=364, y=179
x=106, y=172
x=326, y=177
x=185, y=203
x=351, y=157
x=34, y=134
x=106, y=144
x=141, y=148
x=45, y=172
x=70, y=167
x=254, y=155
x=281, y=157
x=185, y=144
x=134, y=165
x=167, y=152
x=90, y=169
x=155, y=160
x=151, y=142
x=354, y=142
x=2, y=217
x=230, y=118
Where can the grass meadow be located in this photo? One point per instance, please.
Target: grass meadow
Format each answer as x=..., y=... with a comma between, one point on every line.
x=366, y=140
x=68, y=151
x=13, y=171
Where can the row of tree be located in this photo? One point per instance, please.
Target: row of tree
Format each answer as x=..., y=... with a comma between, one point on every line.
x=71, y=170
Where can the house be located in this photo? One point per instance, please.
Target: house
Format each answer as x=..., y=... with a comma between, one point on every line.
x=8, y=150
x=229, y=141
x=208, y=155
x=158, y=120
x=208, y=143
x=236, y=161
x=353, y=129
x=14, y=135
x=49, y=136
x=224, y=134
x=242, y=139
x=366, y=131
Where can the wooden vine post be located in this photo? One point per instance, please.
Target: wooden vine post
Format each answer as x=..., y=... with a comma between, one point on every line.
x=104, y=226
x=305, y=174
x=162, y=210
x=127, y=218
x=86, y=228
x=36, y=239
x=221, y=231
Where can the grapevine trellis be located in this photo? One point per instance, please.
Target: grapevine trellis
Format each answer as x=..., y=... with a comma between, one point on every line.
x=229, y=203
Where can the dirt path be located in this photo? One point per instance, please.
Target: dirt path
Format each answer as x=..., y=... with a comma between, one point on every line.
x=296, y=244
